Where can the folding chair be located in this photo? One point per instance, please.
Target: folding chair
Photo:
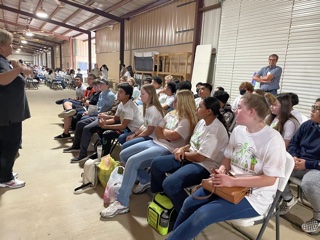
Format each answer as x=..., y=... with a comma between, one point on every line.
x=273, y=210
x=300, y=194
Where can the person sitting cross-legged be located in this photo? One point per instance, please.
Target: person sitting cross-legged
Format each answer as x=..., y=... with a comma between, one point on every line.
x=191, y=163
x=126, y=120
x=305, y=149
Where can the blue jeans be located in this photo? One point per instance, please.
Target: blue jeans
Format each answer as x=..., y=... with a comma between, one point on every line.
x=184, y=174
x=122, y=138
x=196, y=215
x=135, y=141
x=137, y=158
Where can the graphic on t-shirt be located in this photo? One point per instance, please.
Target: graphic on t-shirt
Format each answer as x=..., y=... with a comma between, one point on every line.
x=171, y=123
x=195, y=139
x=244, y=157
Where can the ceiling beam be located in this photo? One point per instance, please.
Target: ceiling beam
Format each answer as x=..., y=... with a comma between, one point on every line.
x=90, y=2
x=93, y=10
x=35, y=30
x=132, y=13
x=110, y=9
x=47, y=20
x=39, y=38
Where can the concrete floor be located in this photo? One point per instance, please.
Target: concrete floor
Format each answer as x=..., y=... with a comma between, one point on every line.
x=46, y=207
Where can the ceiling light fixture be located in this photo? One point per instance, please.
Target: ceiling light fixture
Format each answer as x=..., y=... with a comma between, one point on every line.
x=23, y=41
x=41, y=13
x=29, y=34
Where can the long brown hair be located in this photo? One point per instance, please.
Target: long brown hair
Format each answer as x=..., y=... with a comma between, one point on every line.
x=153, y=99
x=285, y=112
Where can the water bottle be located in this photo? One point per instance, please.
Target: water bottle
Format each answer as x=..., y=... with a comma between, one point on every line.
x=253, y=81
x=164, y=219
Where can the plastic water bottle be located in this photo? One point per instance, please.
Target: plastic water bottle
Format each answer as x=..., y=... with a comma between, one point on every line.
x=253, y=81
x=164, y=219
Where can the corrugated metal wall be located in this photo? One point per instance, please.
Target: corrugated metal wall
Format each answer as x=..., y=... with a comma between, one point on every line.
x=170, y=25
x=248, y=37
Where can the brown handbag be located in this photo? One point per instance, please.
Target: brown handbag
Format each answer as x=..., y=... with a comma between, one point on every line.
x=230, y=194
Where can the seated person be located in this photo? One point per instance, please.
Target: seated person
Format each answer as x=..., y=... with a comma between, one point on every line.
x=126, y=120
x=281, y=118
x=197, y=89
x=136, y=92
x=88, y=126
x=174, y=131
x=204, y=92
x=70, y=103
x=152, y=115
x=245, y=87
x=193, y=162
x=225, y=108
x=80, y=112
x=256, y=155
x=167, y=97
x=147, y=80
x=305, y=149
x=157, y=83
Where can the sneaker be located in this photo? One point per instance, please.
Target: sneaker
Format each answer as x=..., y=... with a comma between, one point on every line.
x=77, y=159
x=59, y=102
x=62, y=136
x=67, y=113
x=141, y=188
x=71, y=149
x=114, y=209
x=286, y=206
x=13, y=184
x=15, y=175
x=311, y=226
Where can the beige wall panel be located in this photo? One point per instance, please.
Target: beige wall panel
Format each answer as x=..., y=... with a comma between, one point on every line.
x=168, y=25
x=112, y=59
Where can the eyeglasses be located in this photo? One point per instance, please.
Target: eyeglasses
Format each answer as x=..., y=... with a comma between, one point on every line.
x=315, y=108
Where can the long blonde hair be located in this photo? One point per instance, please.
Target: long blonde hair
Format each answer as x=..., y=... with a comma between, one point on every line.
x=186, y=107
x=153, y=99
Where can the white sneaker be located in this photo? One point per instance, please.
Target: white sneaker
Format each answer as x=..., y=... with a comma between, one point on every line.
x=141, y=188
x=15, y=175
x=14, y=183
x=114, y=209
x=286, y=206
x=67, y=113
x=311, y=226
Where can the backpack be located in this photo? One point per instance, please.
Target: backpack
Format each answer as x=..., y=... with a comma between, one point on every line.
x=161, y=214
x=89, y=176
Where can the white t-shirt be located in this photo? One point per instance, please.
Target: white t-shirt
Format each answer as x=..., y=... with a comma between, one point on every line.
x=131, y=112
x=104, y=73
x=209, y=141
x=182, y=127
x=80, y=91
x=297, y=115
x=152, y=118
x=255, y=154
x=289, y=128
x=197, y=101
x=234, y=105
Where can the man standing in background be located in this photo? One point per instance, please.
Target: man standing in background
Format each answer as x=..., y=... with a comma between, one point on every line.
x=269, y=77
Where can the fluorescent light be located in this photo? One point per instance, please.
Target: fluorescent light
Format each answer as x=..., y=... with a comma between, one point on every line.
x=41, y=13
x=29, y=34
x=24, y=41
